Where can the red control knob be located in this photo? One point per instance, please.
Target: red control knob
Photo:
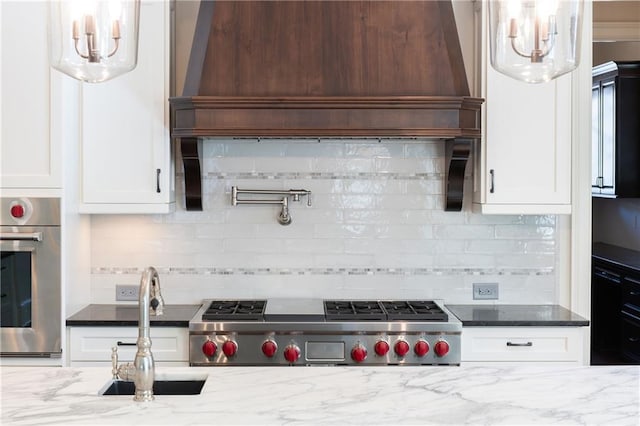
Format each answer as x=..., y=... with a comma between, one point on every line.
x=381, y=347
x=229, y=348
x=401, y=348
x=269, y=348
x=359, y=353
x=291, y=353
x=441, y=348
x=209, y=348
x=17, y=211
x=421, y=347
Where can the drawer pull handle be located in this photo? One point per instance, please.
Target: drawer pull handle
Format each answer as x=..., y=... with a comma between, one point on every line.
x=633, y=339
x=519, y=344
x=634, y=293
x=119, y=343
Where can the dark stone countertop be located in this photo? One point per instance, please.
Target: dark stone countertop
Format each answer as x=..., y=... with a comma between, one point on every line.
x=516, y=316
x=127, y=315
x=618, y=255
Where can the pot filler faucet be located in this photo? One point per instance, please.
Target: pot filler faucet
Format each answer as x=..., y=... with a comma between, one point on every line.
x=142, y=370
x=284, y=218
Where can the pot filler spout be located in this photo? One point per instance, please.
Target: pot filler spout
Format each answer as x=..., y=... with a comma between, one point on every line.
x=330, y=69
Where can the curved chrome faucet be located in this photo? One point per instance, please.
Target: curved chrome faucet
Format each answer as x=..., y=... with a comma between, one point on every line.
x=149, y=299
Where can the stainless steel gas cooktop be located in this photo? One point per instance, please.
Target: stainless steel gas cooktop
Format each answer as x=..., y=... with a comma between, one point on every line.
x=294, y=331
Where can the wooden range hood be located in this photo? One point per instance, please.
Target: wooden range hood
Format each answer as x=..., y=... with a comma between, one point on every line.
x=326, y=69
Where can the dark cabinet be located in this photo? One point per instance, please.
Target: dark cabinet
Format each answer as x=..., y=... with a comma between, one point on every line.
x=615, y=168
x=630, y=337
x=606, y=290
x=615, y=313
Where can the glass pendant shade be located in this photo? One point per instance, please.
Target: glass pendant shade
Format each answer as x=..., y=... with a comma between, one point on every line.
x=535, y=40
x=94, y=40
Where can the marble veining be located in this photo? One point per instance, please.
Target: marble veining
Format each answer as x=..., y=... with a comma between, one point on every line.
x=513, y=395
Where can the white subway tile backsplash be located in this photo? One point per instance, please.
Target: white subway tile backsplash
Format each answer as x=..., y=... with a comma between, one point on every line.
x=494, y=246
x=463, y=232
x=376, y=229
x=524, y=231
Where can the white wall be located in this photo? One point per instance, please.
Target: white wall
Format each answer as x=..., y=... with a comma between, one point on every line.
x=376, y=229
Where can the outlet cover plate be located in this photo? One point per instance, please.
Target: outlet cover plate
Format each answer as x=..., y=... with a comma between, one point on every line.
x=485, y=291
x=126, y=293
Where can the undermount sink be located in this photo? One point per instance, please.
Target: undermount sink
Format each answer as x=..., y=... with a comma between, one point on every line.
x=162, y=386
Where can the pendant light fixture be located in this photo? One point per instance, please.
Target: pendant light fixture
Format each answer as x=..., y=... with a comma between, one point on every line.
x=94, y=40
x=535, y=40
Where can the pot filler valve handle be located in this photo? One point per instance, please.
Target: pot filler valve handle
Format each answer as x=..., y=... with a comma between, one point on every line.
x=296, y=193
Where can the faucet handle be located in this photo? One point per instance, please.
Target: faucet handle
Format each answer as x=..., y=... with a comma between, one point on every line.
x=157, y=302
x=125, y=371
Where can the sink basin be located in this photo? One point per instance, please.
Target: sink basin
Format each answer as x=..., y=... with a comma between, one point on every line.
x=162, y=386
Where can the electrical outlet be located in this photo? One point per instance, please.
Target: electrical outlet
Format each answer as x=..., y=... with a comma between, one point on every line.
x=126, y=292
x=486, y=291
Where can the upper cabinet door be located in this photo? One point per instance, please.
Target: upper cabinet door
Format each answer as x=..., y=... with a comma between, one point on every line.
x=616, y=130
x=127, y=166
x=523, y=162
x=30, y=157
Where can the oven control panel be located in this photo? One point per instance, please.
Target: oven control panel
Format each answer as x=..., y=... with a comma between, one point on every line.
x=291, y=348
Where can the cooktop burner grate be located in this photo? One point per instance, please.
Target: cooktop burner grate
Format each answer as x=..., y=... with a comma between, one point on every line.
x=360, y=310
x=240, y=310
x=415, y=310
x=424, y=310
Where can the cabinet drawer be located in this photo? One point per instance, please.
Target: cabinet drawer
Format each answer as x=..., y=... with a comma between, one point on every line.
x=95, y=343
x=511, y=344
x=631, y=291
x=630, y=344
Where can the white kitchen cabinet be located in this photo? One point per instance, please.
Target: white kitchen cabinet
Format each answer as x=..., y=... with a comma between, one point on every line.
x=523, y=344
x=30, y=151
x=127, y=162
x=523, y=161
x=92, y=345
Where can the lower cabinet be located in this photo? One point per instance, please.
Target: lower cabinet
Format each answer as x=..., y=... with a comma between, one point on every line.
x=615, y=313
x=523, y=344
x=92, y=345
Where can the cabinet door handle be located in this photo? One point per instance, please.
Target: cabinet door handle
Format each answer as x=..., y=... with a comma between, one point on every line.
x=119, y=343
x=631, y=280
x=492, y=183
x=519, y=344
x=609, y=276
x=21, y=236
x=158, y=181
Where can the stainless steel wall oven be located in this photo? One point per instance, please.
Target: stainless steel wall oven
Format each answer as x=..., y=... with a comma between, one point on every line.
x=30, y=277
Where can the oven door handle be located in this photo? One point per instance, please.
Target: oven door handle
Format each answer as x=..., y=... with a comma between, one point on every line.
x=21, y=236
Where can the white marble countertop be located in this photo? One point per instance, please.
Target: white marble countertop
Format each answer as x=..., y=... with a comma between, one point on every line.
x=333, y=395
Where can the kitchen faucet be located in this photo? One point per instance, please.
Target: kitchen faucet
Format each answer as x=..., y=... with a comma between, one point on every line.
x=142, y=369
